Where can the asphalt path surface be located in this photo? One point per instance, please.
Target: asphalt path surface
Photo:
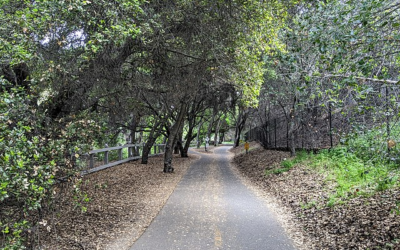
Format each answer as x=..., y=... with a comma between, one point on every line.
x=212, y=209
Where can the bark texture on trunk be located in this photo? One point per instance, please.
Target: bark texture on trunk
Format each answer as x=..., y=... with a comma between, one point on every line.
x=198, y=134
x=154, y=134
x=172, y=137
x=241, y=121
x=216, y=134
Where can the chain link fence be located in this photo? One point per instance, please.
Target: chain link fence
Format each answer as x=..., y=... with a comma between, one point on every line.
x=371, y=114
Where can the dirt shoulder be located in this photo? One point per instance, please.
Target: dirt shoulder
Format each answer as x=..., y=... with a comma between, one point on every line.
x=123, y=201
x=299, y=198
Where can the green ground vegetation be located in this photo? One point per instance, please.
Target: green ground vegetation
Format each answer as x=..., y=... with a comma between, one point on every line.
x=363, y=165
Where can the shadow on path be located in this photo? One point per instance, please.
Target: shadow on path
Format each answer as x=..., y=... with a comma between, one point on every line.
x=211, y=209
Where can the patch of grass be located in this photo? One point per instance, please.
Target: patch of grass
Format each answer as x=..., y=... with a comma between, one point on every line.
x=351, y=175
x=288, y=164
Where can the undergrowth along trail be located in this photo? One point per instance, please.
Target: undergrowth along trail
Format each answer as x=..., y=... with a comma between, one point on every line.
x=338, y=202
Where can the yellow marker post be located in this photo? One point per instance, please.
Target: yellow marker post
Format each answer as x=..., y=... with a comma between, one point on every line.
x=246, y=147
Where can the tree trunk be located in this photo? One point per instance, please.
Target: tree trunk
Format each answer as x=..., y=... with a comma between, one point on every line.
x=184, y=153
x=222, y=138
x=216, y=139
x=171, y=137
x=198, y=134
x=241, y=121
x=178, y=148
x=189, y=138
x=154, y=134
x=132, y=127
x=210, y=126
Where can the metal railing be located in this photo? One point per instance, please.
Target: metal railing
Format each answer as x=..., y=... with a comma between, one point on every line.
x=134, y=153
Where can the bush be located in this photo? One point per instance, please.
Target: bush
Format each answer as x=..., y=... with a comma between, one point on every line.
x=33, y=152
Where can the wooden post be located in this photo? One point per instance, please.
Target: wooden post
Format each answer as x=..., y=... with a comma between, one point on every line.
x=129, y=152
x=106, y=157
x=91, y=163
x=120, y=154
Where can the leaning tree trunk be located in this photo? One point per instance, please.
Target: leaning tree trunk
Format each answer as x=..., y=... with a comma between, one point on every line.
x=171, y=137
x=185, y=149
x=181, y=148
x=178, y=148
x=154, y=134
x=241, y=121
x=189, y=138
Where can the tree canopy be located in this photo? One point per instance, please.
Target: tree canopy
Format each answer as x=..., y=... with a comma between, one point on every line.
x=76, y=73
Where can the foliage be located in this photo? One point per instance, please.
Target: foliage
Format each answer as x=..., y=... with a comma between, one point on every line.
x=27, y=160
x=371, y=145
x=31, y=158
x=348, y=174
x=99, y=68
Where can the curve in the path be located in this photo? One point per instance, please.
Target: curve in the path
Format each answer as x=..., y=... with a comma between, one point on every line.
x=212, y=209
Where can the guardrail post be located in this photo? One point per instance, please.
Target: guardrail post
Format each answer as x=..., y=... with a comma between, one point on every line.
x=105, y=157
x=120, y=154
x=91, y=163
x=129, y=152
x=159, y=149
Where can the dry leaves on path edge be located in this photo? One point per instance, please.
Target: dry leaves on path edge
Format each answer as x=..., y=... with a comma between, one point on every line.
x=123, y=200
x=360, y=223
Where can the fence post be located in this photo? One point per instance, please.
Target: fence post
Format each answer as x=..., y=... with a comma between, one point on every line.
x=120, y=154
x=330, y=123
x=105, y=157
x=91, y=163
x=129, y=152
x=387, y=117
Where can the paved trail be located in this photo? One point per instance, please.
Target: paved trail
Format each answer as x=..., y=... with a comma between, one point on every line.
x=212, y=209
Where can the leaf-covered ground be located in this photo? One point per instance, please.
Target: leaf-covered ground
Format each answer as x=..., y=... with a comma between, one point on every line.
x=360, y=223
x=123, y=201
